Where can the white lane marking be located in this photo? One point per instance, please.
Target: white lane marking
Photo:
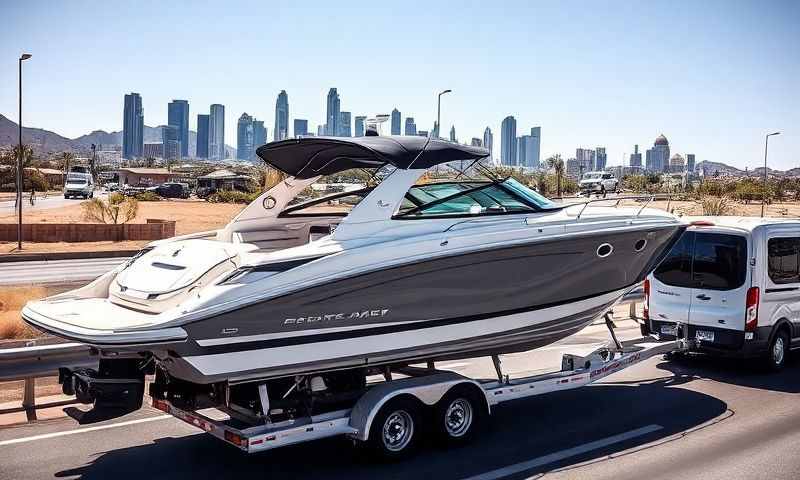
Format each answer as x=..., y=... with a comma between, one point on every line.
x=81, y=430
x=564, y=454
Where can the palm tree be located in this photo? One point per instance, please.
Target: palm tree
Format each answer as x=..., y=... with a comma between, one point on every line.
x=557, y=164
x=66, y=159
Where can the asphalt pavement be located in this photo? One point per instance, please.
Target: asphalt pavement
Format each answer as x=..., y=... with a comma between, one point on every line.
x=693, y=418
x=56, y=271
x=41, y=203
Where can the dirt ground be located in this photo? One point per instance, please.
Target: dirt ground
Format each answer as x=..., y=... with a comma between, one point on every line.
x=12, y=299
x=778, y=210
x=190, y=216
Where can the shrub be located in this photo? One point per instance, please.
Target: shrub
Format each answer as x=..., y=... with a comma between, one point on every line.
x=232, y=196
x=117, y=209
x=147, y=196
x=715, y=206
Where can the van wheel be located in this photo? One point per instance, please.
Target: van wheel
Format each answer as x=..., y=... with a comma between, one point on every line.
x=778, y=348
x=396, y=429
x=459, y=416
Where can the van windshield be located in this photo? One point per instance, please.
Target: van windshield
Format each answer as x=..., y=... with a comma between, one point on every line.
x=76, y=179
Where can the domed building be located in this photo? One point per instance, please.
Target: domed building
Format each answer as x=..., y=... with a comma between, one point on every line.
x=677, y=164
x=657, y=158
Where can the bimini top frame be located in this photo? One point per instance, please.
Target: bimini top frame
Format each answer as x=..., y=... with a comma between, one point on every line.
x=309, y=157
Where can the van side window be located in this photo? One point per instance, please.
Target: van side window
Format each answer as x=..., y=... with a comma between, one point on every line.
x=720, y=261
x=676, y=268
x=783, y=263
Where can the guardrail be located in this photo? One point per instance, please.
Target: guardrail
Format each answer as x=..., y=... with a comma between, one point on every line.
x=32, y=362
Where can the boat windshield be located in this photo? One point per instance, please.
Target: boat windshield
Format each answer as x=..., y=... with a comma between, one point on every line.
x=470, y=198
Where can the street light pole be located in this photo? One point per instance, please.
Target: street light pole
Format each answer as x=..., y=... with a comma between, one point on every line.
x=439, y=111
x=22, y=58
x=766, y=146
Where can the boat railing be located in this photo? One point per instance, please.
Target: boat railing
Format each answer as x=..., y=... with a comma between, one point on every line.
x=648, y=198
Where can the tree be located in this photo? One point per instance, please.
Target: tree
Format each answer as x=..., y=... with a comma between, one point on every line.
x=556, y=164
x=118, y=209
x=66, y=159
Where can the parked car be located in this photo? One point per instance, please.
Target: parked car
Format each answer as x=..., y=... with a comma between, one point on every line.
x=735, y=283
x=599, y=182
x=173, y=190
x=79, y=184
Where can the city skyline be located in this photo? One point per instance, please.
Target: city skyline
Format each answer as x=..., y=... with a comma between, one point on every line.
x=735, y=74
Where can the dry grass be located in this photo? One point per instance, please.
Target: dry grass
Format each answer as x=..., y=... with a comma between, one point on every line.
x=12, y=299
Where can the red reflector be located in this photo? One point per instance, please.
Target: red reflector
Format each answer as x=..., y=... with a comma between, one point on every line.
x=646, y=307
x=751, y=311
x=161, y=405
x=702, y=223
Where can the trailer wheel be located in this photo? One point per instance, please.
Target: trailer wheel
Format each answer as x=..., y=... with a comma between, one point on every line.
x=459, y=416
x=396, y=429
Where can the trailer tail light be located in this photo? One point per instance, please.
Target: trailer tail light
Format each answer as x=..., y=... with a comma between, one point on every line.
x=751, y=312
x=646, y=309
x=161, y=405
x=235, y=439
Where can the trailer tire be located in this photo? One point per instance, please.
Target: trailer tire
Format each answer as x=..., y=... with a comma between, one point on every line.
x=396, y=429
x=460, y=415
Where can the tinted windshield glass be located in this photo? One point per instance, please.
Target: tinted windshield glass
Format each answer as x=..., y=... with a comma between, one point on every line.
x=676, y=269
x=784, y=260
x=472, y=198
x=76, y=179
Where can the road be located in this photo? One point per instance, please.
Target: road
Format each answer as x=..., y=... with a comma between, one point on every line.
x=56, y=271
x=52, y=201
x=694, y=418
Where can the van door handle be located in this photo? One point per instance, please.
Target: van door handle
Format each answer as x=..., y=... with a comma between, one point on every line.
x=703, y=296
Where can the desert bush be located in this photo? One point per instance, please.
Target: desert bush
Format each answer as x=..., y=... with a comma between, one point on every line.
x=232, y=196
x=716, y=206
x=147, y=196
x=117, y=209
x=12, y=299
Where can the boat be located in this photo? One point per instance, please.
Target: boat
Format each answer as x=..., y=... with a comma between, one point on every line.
x=411, y=266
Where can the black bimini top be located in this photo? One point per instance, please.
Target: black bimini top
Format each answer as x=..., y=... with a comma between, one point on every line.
x=312, y=156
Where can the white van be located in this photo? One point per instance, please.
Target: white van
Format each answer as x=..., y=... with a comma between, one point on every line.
x=735, y=283
x=79, y=184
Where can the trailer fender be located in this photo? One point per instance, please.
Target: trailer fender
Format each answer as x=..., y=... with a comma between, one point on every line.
x=428, y=390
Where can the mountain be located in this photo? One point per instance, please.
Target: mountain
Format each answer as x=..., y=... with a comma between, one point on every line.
x=46, y=142
x=42, y=141
x=711, y=167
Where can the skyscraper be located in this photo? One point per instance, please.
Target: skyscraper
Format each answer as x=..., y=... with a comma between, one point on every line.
x=488, y=142
x=202, y=136
x=359, y=128
x=600, y=158
x=453, y=133
x=435, y=130
x=636, y=157
x=321, y=130
x=534, y=148
x=300, y=127
x=170, y=135
x=508, y=141
x=411, y=127
x=333, y=113
x=690, y=162
x=396, y=122
x=244, y=137
x=345, y=125
x=259, y=136
x=657, y=158
x=132, y=127
x=178, y=116
x=216, y=132
x=476, y=142
x=282, y=116
x=586, y=160
x=522, y=150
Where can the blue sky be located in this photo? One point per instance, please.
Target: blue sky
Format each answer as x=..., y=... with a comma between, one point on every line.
x=713, y=76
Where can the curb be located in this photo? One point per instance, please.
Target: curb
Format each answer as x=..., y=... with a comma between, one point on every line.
x=43, y=257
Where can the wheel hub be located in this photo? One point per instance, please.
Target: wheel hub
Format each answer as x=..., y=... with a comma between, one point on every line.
x=778, y=351
x=458, y=417
x=398, y=430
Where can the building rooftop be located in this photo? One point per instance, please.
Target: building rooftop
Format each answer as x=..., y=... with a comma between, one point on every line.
x=661, y=140
x=146, y=171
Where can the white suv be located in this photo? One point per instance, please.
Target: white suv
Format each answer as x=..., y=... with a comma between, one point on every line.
x=600, y=182
x=735, y=283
